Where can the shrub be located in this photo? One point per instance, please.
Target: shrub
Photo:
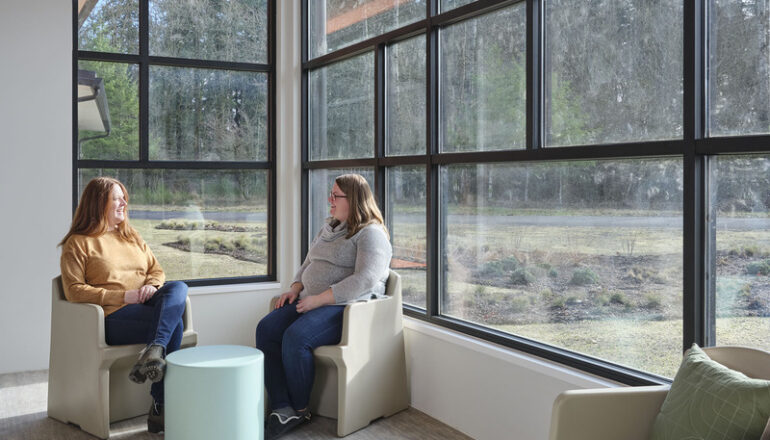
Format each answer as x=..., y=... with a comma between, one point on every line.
x=602, y=299
x=241, y=242
x=582, y=277
x=745, y=291
x=573, y=300
x=521, y=276
x=652, y=301
x=640, y=274
x=552, y=273
x=499, y=267
x=618, y=298
x=758, y=267
x=517, y=305
x=558, y=303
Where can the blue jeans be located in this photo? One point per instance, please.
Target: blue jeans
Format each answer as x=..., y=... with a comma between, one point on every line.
x=157, y=321
x=287, y=339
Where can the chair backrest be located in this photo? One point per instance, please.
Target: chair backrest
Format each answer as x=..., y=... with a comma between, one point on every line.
x=752, y=362
x=393, y=284
x=57, y=289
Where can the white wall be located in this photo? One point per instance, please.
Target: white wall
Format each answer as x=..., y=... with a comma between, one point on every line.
x=486, y=391
x=35, y=171
x=36, y=184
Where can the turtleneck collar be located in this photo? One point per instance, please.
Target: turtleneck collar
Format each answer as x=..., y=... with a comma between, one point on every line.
x=329, y=233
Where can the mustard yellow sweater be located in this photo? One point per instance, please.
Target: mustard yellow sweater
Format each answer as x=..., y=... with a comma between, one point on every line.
x=99, y=270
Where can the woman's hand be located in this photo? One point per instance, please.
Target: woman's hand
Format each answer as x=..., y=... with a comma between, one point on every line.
x=140, y=295
x=131, y=297
x=315, y=301
x=146, y=292
x=290, y=296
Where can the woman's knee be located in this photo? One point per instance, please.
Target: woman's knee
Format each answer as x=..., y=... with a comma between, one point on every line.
x=175, y=291
x=267, y=331
x=296, y=340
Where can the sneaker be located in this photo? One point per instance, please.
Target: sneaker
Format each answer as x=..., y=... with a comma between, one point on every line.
x=150, y=365
x=156, y=418
x=281, y=421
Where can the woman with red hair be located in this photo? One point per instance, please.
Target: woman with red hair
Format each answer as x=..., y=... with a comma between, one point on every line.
x=105, y=262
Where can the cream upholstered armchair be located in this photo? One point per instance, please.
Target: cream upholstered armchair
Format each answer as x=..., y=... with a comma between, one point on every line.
x=88, y=381
x=363, y=377
x=628, y=413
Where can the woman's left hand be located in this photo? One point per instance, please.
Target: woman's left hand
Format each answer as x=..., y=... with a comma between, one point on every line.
x=146, y=292
x=315, y=301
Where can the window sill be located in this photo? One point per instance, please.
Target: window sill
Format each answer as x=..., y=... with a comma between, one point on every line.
x=542, y=366
x=232, y=288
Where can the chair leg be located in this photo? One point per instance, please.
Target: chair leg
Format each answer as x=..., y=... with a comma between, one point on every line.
x=353, y=404
x=95, y=417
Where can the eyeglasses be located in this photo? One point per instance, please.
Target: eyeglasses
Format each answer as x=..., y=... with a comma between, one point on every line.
x=334, y=197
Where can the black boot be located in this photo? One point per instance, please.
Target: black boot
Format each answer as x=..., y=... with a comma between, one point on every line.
x=155, y=418
x=150, y=365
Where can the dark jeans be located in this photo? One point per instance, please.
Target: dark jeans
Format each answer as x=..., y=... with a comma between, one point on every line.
x=287, y=339
x=157, y=321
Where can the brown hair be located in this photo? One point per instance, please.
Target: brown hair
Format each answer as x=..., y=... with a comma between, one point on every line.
x=363, y=207
x=91, y=214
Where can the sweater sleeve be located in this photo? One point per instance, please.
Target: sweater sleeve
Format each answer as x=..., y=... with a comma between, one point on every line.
x=155, y=275
x=73, y=269
x=373, y=253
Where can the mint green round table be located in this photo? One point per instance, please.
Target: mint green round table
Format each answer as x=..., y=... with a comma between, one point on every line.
x=214, y=392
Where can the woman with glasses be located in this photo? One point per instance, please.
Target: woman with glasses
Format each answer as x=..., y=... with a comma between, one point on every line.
x=347, y=261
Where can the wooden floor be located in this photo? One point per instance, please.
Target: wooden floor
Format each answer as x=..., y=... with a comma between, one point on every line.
x=23, y=417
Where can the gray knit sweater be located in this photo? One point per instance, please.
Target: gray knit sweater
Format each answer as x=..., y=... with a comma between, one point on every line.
x=355, y=268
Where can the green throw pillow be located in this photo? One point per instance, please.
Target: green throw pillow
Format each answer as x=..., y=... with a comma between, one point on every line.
x=710, y=401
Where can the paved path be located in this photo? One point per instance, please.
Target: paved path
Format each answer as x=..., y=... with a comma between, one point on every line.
x=490, y=220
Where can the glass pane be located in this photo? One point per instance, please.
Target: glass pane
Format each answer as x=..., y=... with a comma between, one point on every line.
x=321, y=182
x=585, y=256
x=198, y=223
x=207, y=115
x=233, y=30
x=341, y=109
x=108, y=111
x=335, y=24
x=483, y=80
x=741, y=194
x=405, y=216
x=406, y=108
x=446, y=5
x=613, y=71
x=739, y=67
x=108, y=26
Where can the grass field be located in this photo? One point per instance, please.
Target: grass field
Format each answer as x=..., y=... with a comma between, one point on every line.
x=638, y=323
x=180, y=264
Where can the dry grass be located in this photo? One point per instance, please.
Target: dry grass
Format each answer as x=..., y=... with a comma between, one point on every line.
x=179, y=264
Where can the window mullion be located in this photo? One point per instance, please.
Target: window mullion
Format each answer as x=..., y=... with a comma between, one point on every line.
x=144, y=81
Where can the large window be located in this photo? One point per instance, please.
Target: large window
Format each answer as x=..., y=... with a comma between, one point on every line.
x=175, y=99
x=584, y=181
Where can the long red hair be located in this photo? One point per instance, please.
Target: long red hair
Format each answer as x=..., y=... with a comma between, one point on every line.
x=91, y=214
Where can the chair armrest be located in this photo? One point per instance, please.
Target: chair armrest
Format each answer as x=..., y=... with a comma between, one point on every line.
x=360, y=318
x=84, y=320
x=606, y=414
x=187, y=315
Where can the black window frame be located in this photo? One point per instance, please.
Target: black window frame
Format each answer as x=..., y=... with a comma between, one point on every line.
x=144, y=60
x=694, y=149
